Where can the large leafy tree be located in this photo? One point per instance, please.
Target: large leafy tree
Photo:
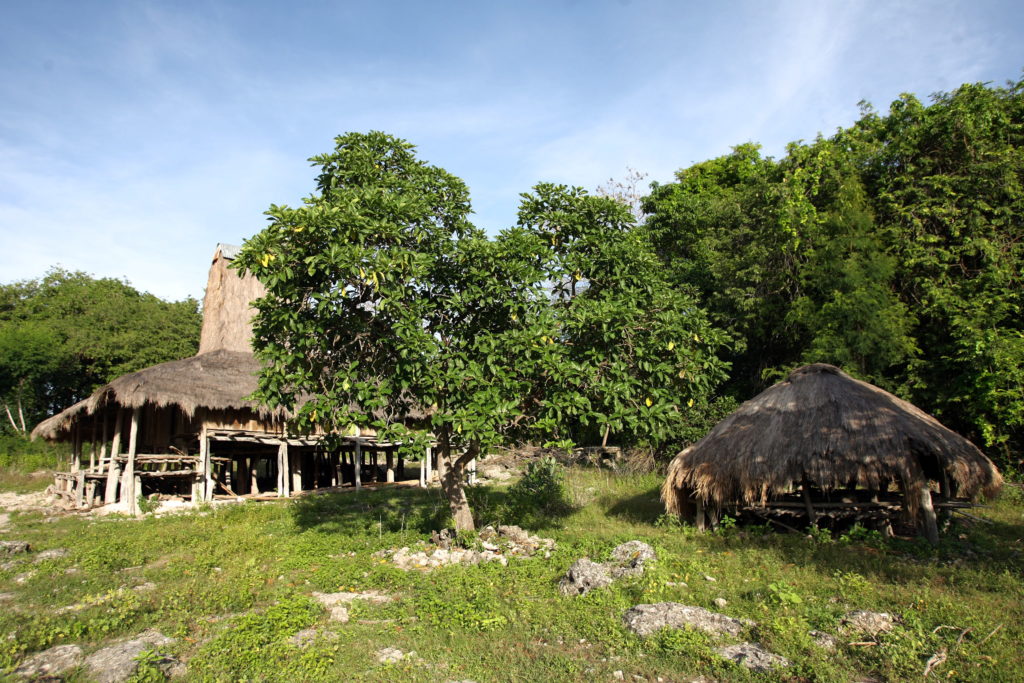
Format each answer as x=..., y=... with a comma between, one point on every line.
x=641, y=354
x=66, y=333
x=387, y=309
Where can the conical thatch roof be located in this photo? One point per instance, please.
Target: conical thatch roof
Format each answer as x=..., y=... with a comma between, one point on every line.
x=218, y=380
x=824, y=426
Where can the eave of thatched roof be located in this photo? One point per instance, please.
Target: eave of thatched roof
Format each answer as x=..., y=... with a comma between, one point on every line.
x=218, y=380
x=823, y=426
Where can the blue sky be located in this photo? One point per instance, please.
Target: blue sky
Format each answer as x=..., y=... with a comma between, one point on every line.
x=134, y=136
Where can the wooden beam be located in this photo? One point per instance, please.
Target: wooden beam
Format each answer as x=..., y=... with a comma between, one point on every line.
x=128, y=492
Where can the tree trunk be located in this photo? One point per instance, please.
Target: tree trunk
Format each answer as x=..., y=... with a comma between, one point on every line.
x=451, y=472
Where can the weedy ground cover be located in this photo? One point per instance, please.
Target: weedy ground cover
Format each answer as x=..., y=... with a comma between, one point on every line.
x=234, y=584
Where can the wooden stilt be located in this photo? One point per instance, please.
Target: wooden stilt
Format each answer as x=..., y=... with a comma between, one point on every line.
x=76, y=448
x=295, y=463
x=207, y=464
x=471, y=468
x=254, y=484
x=391, y=466
x=103, y=442
x=113, y=468
x=358, y=461
x=931, y=528
x=79, y=489
x=283, y=476
x=92, y=445
x=699, y=520
x=811, y=516
x=128, y=492
x=429, y=463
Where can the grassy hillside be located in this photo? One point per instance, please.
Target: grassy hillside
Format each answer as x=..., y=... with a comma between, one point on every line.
x=232, y=585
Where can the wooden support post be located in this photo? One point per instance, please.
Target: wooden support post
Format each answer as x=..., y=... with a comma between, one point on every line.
x=254, y=484
x=699, y=520
x=79, y=489
x=295, y=468
x=104, y=441
x=358, y=461
x=76, y=447
x=931, y=528
x=401, y=466
x=471, y=469
x=806, y=491
x=113, y=468
x=429, y=463
x=128, y=492
x=92, y=445
x=390, y=457
x=283, y=475
x=206, y=465
x=333, y=457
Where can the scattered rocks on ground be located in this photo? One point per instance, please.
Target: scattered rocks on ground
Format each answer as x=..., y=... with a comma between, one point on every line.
x=709, y=578
x=644, y=620
x=8, y=548
x=4, y=597
x=50, y=663
x=720, y=602
x=824, y=640
x=871, y=623
x=145, y=587
x=392, y=655
x=335, y=602
x=753, y=657
x=585, y=575
x=24, y=577
x=496, y=545
x=118, y=662
x=52, y=554
x=629, y=558
x=306, y=637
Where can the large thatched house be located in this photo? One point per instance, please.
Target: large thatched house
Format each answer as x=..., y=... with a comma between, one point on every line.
x=188, y=426
x=822, y=440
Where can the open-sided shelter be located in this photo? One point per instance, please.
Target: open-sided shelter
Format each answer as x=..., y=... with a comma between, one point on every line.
x=188, y=426
x=839, y=442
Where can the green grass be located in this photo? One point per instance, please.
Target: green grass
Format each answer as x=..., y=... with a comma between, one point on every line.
x=233, y=584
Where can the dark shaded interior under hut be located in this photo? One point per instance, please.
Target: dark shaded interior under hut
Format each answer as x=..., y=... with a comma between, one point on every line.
x=187, y=428
x=822, y=447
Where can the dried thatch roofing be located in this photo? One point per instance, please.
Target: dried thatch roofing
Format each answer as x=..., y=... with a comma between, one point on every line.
x=825, y=426
x=218, y=380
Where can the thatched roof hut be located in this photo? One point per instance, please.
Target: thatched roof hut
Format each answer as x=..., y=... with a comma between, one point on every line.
x=823, y=428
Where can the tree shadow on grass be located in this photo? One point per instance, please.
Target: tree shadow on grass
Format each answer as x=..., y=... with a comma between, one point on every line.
x=395, y=509
x=643, y=508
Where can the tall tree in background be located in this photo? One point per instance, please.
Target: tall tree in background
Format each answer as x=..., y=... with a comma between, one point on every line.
x=893, y=248
x=65, y=334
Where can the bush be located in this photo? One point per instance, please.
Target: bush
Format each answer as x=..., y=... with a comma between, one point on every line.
x=19, y=454
x=542, y=488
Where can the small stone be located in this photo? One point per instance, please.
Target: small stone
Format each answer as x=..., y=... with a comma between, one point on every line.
x=145, y=587
x=753, y=657
x=119, y=662
x=8, y=548
x=392, y=655
x=871, y=623
x=305, y=637
x=630, y=558
x=710, y=578
x=584, y=576
x=720, y=602
x=824, y=640
x=618, y=675
x=52, y=554
x=4, y=597
x=644, y=620
x=24, y=577
x=50, y=663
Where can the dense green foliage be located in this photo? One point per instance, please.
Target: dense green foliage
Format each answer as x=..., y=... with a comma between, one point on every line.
x=894, y=248
x=233, y=585
x=385, y=304
x=64, y=334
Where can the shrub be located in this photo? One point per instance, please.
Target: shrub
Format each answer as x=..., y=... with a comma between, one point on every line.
x=541, y=489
